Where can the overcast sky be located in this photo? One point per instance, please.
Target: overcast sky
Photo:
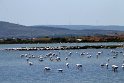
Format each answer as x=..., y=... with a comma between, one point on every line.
x=63, y=12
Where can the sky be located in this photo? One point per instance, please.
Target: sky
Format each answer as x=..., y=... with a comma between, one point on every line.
x=63, y=12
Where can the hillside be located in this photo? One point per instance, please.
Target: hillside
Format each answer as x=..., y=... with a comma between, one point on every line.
x=20, y=31
x=101, y=27
x=9, y=30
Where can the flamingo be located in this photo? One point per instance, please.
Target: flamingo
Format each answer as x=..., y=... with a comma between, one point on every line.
x=99, y=53
x=22, y=55
x=40, y=58
x=82, y=53
x=70, y=53
x=47, y=68
x=79, y=66
x=106, y=65
x=60, y=70
x=114, y=67
x=88, y=56
x=27, y=59
x=67, y=64
x=122, y=66
x=108, y=59
x=30, y=63
x=102, y=65
x=66, y=58
x=58, y=58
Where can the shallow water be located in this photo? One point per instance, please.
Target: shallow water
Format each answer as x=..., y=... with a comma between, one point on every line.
x=2, y=46
x=14, y=69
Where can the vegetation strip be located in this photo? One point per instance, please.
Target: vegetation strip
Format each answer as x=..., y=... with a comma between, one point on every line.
x=79, y=39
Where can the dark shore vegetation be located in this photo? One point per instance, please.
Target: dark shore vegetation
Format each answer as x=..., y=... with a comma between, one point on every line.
x=80, y=39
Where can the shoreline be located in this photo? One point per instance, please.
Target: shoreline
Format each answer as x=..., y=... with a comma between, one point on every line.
x=62, y=43
x=65, y=47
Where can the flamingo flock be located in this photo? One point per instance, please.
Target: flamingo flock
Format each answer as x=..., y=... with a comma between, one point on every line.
x=55, y=57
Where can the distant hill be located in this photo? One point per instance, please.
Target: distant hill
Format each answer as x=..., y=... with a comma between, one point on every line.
x=9, y=30
x=80, y=27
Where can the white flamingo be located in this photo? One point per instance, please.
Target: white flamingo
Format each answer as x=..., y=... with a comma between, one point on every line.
x=30, y=63
x=106, y=65
x=60, y=70
x=40, y=58
x=114, y=67
x=58, y=58
x=47, y=68
x=122, y=66
x=70, y=53
x=67, y=64
x=88, y=56
x=66, y=58
x=79, y=66
x=99, y=53
x=22, y=55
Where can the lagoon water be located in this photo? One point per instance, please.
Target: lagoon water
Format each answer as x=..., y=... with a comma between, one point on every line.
x=14, y=69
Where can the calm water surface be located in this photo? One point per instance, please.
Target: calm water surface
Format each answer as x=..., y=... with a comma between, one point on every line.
x=14, y=69
x=56, y=44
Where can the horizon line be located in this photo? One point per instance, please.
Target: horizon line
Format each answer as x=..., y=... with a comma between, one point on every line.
x=64, y=24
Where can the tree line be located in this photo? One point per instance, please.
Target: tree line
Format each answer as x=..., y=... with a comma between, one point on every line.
x=80, y=39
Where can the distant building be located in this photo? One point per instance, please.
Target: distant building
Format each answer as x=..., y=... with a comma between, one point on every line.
x=79, y=40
